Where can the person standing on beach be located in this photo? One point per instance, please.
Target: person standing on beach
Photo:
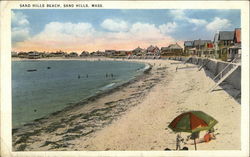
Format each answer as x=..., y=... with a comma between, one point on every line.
x=179, y=139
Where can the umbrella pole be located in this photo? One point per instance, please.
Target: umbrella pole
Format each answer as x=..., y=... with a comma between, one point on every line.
x=195, y=144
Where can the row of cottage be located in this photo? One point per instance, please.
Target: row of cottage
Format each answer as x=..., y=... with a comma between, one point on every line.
x=225, y=46
x=171, y=50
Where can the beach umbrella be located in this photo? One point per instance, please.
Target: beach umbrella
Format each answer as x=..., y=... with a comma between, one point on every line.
x=192, y=121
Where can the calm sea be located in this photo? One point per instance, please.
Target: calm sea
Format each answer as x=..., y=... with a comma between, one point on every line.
x=57, y=84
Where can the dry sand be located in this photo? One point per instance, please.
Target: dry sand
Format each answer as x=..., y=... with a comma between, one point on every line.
x=135, y=117
x=143, y=126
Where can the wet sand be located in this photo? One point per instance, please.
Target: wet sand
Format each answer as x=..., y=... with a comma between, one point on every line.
x=135, y=116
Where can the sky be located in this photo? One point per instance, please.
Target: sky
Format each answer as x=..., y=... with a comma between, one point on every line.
x=120, y=29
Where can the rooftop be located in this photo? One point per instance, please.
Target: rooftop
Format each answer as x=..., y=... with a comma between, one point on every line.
x=201, y=42
x=174, y=46
x=188, y=43
x=226, y=35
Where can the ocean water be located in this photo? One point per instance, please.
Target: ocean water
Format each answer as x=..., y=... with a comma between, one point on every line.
x=56, y=84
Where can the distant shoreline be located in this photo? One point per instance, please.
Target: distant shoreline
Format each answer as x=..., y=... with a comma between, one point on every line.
x=60, y=58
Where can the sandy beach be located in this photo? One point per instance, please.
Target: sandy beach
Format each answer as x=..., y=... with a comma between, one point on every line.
x=135, y=116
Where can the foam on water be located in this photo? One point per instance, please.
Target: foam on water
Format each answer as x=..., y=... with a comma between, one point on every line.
x=107, y=86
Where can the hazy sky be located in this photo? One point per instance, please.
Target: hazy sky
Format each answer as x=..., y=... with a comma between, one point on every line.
x=91, y=30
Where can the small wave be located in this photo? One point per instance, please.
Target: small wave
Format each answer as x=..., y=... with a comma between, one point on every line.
x=146, y=67
x=107, y=86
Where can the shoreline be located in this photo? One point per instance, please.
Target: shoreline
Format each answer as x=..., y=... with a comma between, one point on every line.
x=22, y=133
x=139, y=110
x=92, y=98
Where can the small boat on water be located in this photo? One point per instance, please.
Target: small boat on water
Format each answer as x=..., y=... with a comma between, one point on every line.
x=48, y=67
x=31, y=70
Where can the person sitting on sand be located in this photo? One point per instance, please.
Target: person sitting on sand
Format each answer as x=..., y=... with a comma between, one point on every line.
x=194, y=135
x=209, y=136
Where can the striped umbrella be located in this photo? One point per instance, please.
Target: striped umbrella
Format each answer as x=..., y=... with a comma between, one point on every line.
x=192, y=121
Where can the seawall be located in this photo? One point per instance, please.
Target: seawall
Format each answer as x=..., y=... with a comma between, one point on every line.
x=215, y=67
